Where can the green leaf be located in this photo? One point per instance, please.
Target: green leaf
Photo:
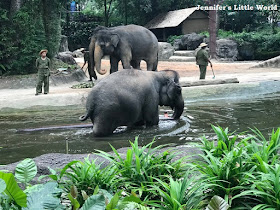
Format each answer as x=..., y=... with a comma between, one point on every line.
x=26, y=170
x=96, y=190
x=217, y=203
x=2, y=185
x=132, y=198
x=43, y=196
x=138, y=166
x=13, y=190
x=114, y=202
x=74, y=202
x=94, y=202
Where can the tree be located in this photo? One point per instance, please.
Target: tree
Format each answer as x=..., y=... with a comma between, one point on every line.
x=15, y=6
x=213, y=29
x=107, y=6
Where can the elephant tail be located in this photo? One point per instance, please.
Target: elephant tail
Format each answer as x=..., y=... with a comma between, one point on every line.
x=84, y=117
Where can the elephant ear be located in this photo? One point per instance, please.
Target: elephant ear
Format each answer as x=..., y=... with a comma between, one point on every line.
x=115, y=39
x=173, y=90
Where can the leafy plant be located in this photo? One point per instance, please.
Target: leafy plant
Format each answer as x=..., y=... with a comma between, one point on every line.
x=265, y=189
x=186, y=193
x=25, y=171
x=171, y=39
x=217, y=203
x=44, y=196
x=142, y=164
x=85, y=176
x=12, y=190
x=226, y=164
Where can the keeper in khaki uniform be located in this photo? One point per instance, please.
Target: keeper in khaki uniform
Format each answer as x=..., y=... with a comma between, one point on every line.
x=43, y=65
x=202, y=59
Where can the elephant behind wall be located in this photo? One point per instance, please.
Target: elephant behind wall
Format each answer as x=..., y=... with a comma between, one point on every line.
x=133, y=101
x=129, y=44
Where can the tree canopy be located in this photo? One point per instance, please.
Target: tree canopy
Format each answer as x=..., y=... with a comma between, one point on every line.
x=30, y=25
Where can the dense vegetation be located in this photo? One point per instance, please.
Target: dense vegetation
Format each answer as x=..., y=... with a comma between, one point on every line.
x=262, y=43
x=29, y=25
x=240, y=171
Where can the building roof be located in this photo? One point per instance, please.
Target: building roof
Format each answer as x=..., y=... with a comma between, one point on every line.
x=170, y=19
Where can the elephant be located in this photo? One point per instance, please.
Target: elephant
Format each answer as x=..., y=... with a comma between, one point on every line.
x=129, y=44
x=134, y=101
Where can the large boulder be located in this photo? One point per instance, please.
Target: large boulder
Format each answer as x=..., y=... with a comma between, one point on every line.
x=66, y=57
x=188, y=42
x=246, y=51
x=227, y=49
x=63, y=44
x=166, y=50
x=177, y=44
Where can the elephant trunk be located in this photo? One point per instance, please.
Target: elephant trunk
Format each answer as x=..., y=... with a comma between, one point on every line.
x=91, y=57
x=98, y=54
x=178, y=108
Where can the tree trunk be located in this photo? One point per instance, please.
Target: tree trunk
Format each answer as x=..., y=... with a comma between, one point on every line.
x=15, y=6
x=51, y=21
x=125, y=8
x=213, y=29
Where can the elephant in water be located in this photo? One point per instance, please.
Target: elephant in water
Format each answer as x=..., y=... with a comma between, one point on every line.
x=129, y=44
x=131, y=98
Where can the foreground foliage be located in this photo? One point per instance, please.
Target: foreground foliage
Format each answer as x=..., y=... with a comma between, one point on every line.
x=237, y=171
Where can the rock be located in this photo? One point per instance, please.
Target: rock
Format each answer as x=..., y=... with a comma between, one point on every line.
x=66, y=57
x=189, y=41
x=246, y=51
x=165, y=50
x=206, y=40
x=78, y=53
x=63, y=44
x=227, y=49
x=177, y=44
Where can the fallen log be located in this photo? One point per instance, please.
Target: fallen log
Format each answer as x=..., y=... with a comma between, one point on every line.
x=209, y=82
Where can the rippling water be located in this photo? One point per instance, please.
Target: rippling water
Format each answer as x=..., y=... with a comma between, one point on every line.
x=196, y=121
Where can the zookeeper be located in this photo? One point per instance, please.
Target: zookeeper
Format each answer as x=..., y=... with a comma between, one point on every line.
x=43, y=65
x=202, y=60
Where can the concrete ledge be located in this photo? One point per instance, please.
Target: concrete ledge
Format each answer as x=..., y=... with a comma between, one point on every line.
x=209, y=82
x=186, y=53
x=272, y=63
x=182, y=58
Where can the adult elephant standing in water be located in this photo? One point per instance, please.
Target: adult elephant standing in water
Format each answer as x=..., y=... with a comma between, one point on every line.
x=133, y=101
x=129, y=44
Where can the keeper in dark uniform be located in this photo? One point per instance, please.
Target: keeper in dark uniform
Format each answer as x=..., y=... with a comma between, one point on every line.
x=43, y=65
x=202, y=60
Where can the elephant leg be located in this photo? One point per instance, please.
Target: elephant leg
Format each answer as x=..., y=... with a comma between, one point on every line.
x=151, y=116
x=139, y=123
x=136, y=64
x=151, y=66
x=102, y=128
x=114, y=64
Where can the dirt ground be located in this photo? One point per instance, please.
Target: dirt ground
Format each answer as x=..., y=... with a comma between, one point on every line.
x=189, y=71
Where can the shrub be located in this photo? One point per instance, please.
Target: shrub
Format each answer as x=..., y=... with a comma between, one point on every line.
x=171, y=39
x=141, y=166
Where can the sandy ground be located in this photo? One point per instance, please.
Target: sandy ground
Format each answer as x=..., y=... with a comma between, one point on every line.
x=189, y=71
x=63, y=95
